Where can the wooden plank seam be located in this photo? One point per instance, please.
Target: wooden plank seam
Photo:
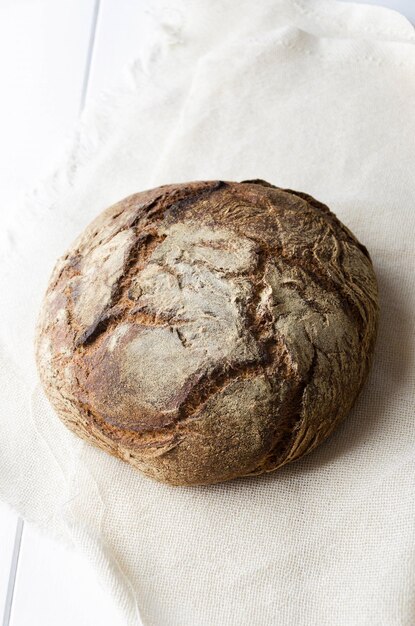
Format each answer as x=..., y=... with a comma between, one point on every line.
x=20, y=522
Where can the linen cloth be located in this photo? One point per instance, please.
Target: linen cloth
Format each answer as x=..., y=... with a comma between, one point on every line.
x=314, y=96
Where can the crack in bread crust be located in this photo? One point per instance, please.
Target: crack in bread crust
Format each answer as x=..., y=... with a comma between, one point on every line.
x=180, y=300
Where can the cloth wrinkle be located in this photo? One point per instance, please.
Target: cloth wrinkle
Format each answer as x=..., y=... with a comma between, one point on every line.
x=315, y=96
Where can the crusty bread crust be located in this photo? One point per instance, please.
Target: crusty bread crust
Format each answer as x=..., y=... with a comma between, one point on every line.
x=209, y=330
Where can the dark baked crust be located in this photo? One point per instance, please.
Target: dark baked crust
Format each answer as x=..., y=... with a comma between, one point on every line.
x=209, y=330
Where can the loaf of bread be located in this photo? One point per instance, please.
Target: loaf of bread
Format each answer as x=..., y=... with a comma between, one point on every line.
x=209, y=330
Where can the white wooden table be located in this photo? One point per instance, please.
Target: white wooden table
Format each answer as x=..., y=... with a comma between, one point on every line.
x=54, y=55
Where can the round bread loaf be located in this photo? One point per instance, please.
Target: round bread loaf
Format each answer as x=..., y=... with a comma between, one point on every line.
x=209, y=330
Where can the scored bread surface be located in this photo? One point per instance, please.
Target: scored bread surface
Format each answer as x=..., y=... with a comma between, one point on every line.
x=209, y=330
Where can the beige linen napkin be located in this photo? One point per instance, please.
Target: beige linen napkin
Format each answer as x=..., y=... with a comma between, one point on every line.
x=316, y=96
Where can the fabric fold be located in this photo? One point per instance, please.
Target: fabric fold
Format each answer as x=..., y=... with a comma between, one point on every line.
x=315, y=96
